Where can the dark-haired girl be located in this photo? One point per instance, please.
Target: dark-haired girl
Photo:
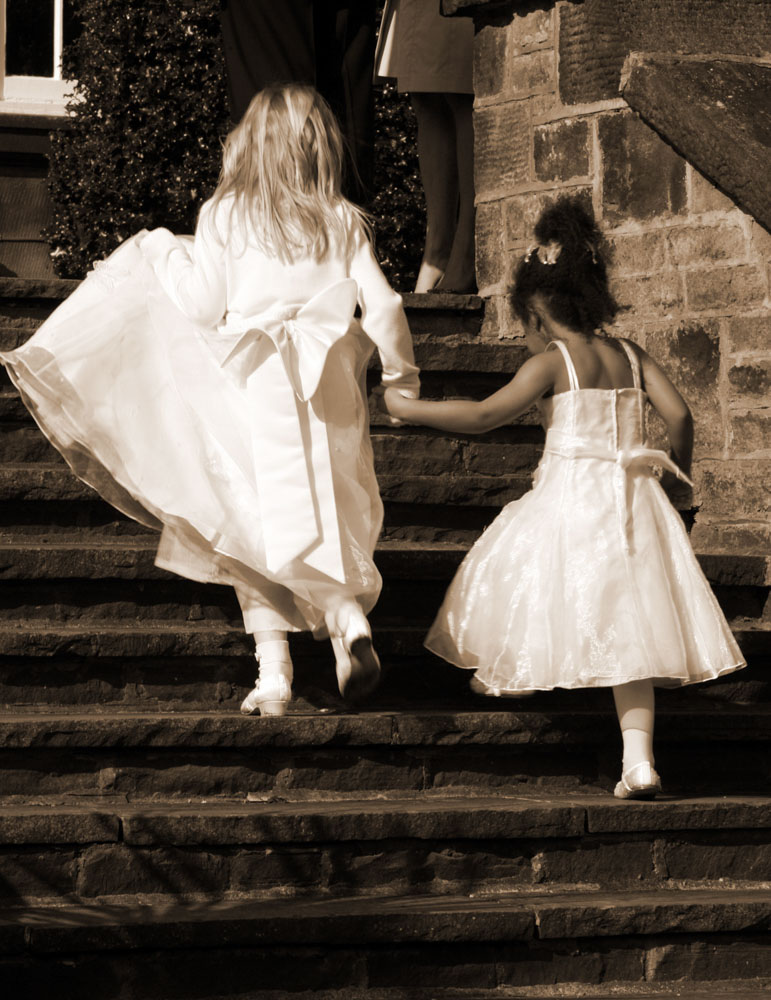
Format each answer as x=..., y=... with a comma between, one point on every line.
x=589, y=580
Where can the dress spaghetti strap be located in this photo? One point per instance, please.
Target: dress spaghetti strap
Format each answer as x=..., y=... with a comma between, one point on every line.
x=572, y=374
x=634, y=362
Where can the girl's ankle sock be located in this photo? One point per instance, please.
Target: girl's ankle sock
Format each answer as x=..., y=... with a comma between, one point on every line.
x=638, y=748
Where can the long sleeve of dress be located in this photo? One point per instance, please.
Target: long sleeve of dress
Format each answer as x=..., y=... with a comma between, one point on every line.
x=384, y=321
x=192, y=273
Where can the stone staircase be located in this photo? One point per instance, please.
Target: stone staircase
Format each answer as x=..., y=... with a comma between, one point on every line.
x=155, y=844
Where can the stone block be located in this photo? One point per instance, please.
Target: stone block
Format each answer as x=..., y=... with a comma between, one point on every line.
x=725, y=128
x=561, y=150
x=594, y=862
x=751, y=432
x=751, y=380
x=642, y=177
x=531, y=29
x=690, y=355
x=744, y=858
x=440, y=968
x=692, y=961
x=421, y=455
x=649, y=295
x=490, y=257
x=730, y=487
x=574, y=962
x=749, y=333
x=638, y=253
x=36, y=872
x=521, y=213
x=695, y=246
x=710, y=535
x=591, y=52
x=760, y=241
x=501, y=148
x=529, y=74
x=490, y=57
x=705, y=197
x=489, y=458
x=732, y=288
x=117, y=869
x=280, y=869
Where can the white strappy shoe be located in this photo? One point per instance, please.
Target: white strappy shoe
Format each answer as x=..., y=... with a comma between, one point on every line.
x=640, y=782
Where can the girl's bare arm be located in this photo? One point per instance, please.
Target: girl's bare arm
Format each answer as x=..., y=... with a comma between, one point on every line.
x=672, y=409
x=536, y=377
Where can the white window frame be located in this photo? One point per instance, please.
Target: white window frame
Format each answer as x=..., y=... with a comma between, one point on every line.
x=35, y=94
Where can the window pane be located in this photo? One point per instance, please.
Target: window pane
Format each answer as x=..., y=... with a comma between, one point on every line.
x=29, y=45
x=71, y=24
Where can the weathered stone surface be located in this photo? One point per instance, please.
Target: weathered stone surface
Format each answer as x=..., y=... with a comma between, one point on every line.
x=642, y=177
x=591, y=52
x=37, y=872
x=691, y=356
x=657, y=294
x=638, y=253
x=719, y=482
x=531, y=73
x=743, y=857
x=501, y=148
x=121, y=870
x=490, y=48
x=522, y=211
x=687, y=911
x=36, y=288
x=491, y=261
x=750, y=333
x=726, y=130
x=67, y=826
x=726, y=288
x=701, y=962
x=751, y=432
x=599, y=863
x=693, y=246
x=705, y=197
x=751, y=380
x=561, y=150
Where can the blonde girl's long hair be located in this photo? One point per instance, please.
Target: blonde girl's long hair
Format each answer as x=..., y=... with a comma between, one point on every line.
x=282, y=167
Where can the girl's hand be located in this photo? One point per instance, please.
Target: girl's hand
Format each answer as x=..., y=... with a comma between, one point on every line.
x=392, y=402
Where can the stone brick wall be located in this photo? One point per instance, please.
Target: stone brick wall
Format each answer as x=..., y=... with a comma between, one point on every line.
x=690, y=265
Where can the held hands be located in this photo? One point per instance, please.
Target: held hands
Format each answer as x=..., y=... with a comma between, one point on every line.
x=392, y=403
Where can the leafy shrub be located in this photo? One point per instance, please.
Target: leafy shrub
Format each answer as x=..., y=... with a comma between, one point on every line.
x=143, y=149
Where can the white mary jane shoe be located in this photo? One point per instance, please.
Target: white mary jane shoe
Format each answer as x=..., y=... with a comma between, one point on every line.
x=639, y=782
x=269, y=697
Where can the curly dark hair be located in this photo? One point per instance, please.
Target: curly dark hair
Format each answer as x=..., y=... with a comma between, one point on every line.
x=575, y=286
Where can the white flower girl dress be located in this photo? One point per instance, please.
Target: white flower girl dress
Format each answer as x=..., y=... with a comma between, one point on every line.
x=589, y=580
x=211, y=391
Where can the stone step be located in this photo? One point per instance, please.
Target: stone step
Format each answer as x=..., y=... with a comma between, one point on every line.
x=560, y=745
x=420, y=844
x=610, y=941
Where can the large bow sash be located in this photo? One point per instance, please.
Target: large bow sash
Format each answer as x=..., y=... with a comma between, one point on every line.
x=291, y=452
x=624, y=459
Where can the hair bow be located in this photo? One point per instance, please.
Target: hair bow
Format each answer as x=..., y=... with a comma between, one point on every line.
x=548, y=254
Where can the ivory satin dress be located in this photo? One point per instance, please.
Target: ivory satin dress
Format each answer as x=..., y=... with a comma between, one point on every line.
x=208, y=390
x=589, y=580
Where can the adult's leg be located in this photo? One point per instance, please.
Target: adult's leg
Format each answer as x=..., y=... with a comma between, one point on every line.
x=459, y=274
x=266, y=42
x=345, y=57
x=439, y=174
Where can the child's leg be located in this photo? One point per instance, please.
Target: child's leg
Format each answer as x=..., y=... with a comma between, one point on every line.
x=273, y=687
x=636, y=712
x=356, y=662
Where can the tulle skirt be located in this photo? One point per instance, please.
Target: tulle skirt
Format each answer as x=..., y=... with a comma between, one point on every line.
x=566, y=590
x=135, y=398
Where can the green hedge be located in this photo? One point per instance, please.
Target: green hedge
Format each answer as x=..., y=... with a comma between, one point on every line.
x=143, y=149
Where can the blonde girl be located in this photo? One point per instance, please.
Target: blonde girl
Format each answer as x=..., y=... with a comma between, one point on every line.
x=213, y=388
